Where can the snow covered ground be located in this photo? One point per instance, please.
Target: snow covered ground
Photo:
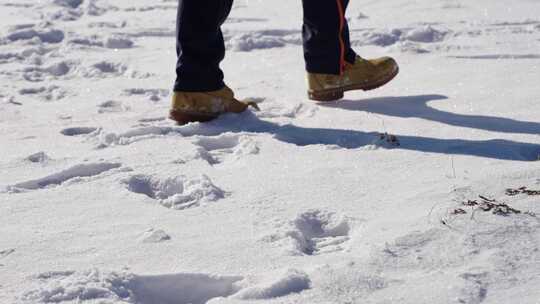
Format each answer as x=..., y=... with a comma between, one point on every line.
x=104, y=200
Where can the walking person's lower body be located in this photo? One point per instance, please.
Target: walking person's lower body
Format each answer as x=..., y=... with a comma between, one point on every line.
x=331, y=64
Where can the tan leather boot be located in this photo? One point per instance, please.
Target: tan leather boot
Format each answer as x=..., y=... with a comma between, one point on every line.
x=362, y=75
x=204, y=106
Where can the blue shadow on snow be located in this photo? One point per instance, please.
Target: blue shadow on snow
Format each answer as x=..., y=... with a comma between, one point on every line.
x=417, y=106
x=408, y=106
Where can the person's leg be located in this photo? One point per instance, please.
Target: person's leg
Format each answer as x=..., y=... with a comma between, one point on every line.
x=332, y=66
x=199, y=91
x=200, y=46
x=326, y=36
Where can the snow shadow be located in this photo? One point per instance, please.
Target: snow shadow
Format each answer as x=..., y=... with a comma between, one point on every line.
x=58, y=178
x=352, y=139
x=178, y=192
x=182, y=288
x=417, y=106
x=95, y=286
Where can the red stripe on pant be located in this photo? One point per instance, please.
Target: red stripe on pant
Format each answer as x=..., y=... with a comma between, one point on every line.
x=341, y=13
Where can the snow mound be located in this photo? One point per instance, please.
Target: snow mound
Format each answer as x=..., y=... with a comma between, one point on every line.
x=82, y=170
x=154, y=236
x=361, y=15
x=106, y=139
x=182, y=288
x=93, y=9
x=408, y=47
x=315, y=232
x=112, y=106
x=95, y=286
x=59, y=69
x=111, y=42
x=292, y=281
x=426, y=34
x=215, y=150
x=152, y=94
x=254, y=41
x=58, y=287
x=379, y=37
x=39, y=157
x=177, y=192
x=74, y=9
x=406, y=36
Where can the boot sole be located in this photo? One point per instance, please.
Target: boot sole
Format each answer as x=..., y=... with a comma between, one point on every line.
x=183, y=118
x=338, y=93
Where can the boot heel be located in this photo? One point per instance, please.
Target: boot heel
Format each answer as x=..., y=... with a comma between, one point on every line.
x=325, y=96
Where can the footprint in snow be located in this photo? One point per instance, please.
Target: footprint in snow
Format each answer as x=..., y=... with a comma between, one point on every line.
x=315, y=232
x=50, y=93
x=178, y=192
x=31, y=32
x=105, y=69
x=64, y=14
x=94, y=286
x=31, y=55
x=107, y=25
x=216, y=150
x=69, y=3
x=75, y=131
x=417, y=249
x=152, y=94
x=112, y=106
x=148, y=8
x=54, y=71
x=475, y=287
x=106, y=139
x=67, y=175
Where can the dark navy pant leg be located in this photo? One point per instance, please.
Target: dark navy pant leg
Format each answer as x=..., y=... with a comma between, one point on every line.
x=200, y=46
x=326, y=36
